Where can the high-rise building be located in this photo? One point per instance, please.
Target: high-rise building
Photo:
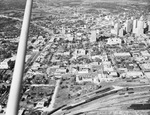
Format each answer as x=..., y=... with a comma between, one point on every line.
x=116, y=29
x=140, y=28
x=128, y=26
x=148, y=25
x=121, y=32
x=93, y=36
x=135, y=26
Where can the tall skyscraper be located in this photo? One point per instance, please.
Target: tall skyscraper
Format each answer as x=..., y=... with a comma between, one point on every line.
x=140, y=25
x=128, y=26
x=116, y=27
x=135, y=26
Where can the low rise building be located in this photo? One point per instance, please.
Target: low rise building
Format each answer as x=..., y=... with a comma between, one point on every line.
x=60, y=71
x=79, y=52
x=122, y=54
x=133, y=74
x=83, y=71
x=145, y=66
x=114, y=41
x=4, y=65
x=35, y=66
x=145, y=53
x=147, y=74
x=105, y=78
x=86, y=78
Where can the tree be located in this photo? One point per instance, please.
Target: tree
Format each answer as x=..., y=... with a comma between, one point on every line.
x=30, y=47
x=8, y=55
x=11, y=64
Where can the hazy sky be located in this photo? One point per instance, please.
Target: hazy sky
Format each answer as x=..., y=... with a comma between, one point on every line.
x=78, y=0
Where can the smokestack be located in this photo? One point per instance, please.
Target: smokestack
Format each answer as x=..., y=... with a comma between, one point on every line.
x=16, y=85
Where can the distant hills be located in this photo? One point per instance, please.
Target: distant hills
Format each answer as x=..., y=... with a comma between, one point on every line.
x=148, y=1
x=20, y=4
x=12, y=4
x=91, y=1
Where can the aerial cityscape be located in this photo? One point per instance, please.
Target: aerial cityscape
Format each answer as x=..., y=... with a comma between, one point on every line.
x=83, y=57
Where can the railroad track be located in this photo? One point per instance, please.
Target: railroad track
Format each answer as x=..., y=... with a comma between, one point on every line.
x=105, y=105
x=122, y=101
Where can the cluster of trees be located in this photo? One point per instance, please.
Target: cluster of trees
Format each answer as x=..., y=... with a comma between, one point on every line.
x=11, y=64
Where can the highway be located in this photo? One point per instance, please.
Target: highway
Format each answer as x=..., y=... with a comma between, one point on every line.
x=35, y=56
x=30, y=62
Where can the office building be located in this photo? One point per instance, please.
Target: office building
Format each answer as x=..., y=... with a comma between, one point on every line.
x=128, y=26
x=93, y=36
x=121, y=32
x=115, y=31
x=135, y=26
x=116, y=27
x=140, y=28
x=148, y=25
